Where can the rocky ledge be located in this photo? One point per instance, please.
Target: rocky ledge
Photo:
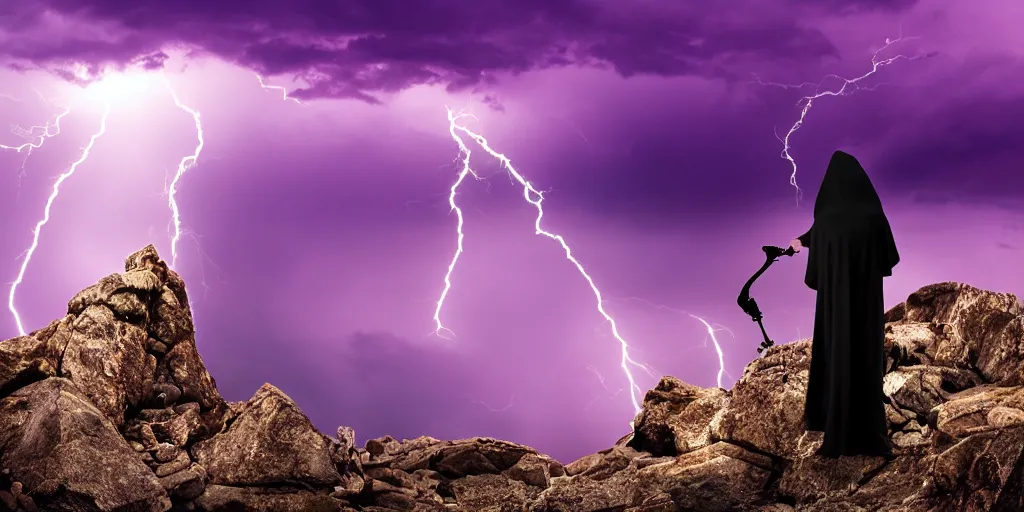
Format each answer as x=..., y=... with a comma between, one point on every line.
x=111, y=408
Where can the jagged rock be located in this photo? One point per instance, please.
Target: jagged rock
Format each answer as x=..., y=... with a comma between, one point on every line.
x=255, y=499
x=954, y=391
x=768, y=401
x=346, y=438
x=174, y=320
x=920, y=388
x=489, y=492
x=270, y=442
x=717, y=477
x=678, y=417
x=454, y=459
x=351, y=485
x=531, y=470
x=187, y=484
x=972, y=410
x=177, y=429
x=106, y=359
x=984, y=328
x=811, y=479
x=910, y=343
x=187, y=369
x=123, y=294
x=24, y=360
x=155, y=415
x=179, y=463
x=166, y=394
x=984, y=471
x=67, y=453
x=166, y=452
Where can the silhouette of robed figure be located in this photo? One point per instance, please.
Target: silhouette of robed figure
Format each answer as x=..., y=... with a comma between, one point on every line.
x=850, y=249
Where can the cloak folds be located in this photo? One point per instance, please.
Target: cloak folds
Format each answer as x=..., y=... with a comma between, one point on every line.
x=850, y=249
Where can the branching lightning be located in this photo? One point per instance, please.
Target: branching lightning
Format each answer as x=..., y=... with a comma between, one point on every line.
x=536, y=198
x=46, y=215
x=40, y=134
x=849, y=86
x=284, y=91
x=709, y=326
x=718, y=348
x=46, y=131
x=466, y=170
x=186, y=163
x=31, y=131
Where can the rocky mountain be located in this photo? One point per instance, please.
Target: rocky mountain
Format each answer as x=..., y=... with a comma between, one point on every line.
x=111, y=408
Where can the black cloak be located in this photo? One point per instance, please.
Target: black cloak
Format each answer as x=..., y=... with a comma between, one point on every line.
x=850, y=249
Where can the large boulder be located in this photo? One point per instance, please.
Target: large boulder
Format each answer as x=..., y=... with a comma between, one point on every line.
x=68, y=455
x=980, y=329
x=270, y=442
x=765, y=410
x=678, y=417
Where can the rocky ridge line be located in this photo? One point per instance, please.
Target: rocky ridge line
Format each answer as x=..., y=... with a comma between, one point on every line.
x=111, y=408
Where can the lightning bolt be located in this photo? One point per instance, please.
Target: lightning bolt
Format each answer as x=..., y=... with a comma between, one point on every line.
x=186, y=163
x=284, y=92
x=46, y=215
x=535, y=198
x=52, y=129
x=49, y=130
x=849, y=86
x=718, y=348
x=466, y=170
x=709, y=326
x=41, y=138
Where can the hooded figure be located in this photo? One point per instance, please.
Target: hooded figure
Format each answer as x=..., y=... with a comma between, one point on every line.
x=850, y=249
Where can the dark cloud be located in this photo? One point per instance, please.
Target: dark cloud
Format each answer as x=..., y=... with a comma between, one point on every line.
x=973, y=142
x=361, y=47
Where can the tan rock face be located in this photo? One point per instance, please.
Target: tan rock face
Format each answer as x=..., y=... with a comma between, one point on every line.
x=678, y=417
x=270, y=442
x=111, y=408
x=107, y=360
x=24, y=360
x=982, y=330
x=61, y=448
x=769, y=400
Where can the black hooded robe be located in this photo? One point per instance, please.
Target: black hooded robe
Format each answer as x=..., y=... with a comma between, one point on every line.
x=850, y=249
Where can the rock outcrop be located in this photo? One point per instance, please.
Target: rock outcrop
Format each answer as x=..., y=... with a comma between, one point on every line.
x=111, y=409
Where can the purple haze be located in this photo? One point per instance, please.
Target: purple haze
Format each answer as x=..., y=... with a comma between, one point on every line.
x=318, y=235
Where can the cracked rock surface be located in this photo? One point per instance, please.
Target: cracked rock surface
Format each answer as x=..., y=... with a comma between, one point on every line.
x=111, y=409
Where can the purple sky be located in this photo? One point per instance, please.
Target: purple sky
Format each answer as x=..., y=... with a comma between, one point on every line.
x=317, y=236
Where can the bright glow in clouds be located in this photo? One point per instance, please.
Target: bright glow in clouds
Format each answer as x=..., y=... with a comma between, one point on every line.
x=849, y=86
x=536, y=198
x=116, y=87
